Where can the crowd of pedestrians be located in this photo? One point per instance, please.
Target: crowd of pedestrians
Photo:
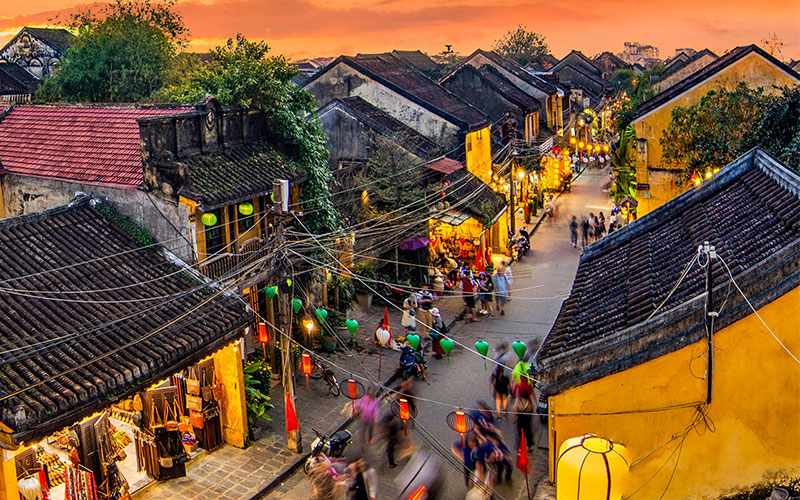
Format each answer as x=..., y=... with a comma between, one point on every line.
x=594, y=227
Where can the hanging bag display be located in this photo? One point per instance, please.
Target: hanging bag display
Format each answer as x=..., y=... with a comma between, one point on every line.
x=192, y=383
x=170, y=416
x=197, y=418
x=164, y=458
x=155, y=418
x=208, y=393
x=217, y=389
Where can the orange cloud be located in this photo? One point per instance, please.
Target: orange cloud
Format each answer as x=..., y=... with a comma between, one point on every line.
x=301, y=28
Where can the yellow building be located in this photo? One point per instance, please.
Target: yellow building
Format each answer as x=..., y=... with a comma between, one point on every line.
x=659, y=182
x=628, y=358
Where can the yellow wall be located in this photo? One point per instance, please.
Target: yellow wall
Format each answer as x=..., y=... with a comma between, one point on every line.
x=752, y=69
x=8, y=477
x=479, y=154
x=755, y=410
x=229, y=370
x=224, y=222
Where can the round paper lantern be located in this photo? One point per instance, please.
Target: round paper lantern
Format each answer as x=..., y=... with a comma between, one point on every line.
x=288, y=281
x=297, y=304
x=519, y=348
x=383, y=336
x=208, y=219
x=351, y=325
x=246, y=208
x=321, y=314
x=413, y=340
x=446, y=345
x=592, y=466
x=29, y=488
x=271, y=292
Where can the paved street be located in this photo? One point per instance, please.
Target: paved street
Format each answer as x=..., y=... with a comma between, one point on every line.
x=541, y=281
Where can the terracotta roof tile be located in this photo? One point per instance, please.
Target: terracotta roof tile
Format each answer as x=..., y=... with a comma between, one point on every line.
x=92, y=144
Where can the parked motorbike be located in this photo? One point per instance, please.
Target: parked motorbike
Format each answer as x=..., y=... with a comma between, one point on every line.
x=325, y=449
x=412, y=363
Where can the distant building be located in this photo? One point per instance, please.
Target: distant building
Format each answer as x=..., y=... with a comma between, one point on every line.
x=38, y=50
x=578, y=72
x=675, y=72
x=608, y=64
x=16, y=83
x=641, y=53
x=686, y=50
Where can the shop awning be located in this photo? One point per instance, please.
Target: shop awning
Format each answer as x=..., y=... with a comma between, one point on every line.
x=445, y=165
x=452, y=217
x=414, y=243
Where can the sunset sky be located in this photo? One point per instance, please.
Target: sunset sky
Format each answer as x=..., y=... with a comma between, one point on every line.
x=303, y=28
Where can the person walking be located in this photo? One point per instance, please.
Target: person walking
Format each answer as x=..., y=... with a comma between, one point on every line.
x=501, y=386
x=501, y=286
x=510, y=277
x=485, y=293
x=523, y=418
x=573, y=232
x=467, y=453
x=425, y=304
x=468, y=294
x=601, y=225
x=437, y=329
x=323, y=483
x=592, y=227
x=367, y=409
x=363, y=481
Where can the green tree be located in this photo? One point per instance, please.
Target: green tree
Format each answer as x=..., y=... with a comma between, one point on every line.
x=638, y=90
x=522, y=46
x=624, y=166
x=242, y=73
x=710, y=133
x=777, y=129
x=121, y=53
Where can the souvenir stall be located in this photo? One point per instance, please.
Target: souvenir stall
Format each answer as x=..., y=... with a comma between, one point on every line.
x=457, y=236
x=148, y=437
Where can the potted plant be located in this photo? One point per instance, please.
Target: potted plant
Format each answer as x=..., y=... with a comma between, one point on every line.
x=257, y=385
x=365, y=272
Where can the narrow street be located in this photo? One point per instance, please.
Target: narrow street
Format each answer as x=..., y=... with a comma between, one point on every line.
x=541, y=282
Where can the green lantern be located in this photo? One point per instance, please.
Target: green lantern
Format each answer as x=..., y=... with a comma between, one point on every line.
x=321, y=314
x=483, y=349
x=447, y=345
x=246, y=208
x=297, y=304
x=351, y=325
x=519, y=348
x=208, y=219
x=413, y=340
x=271, y=292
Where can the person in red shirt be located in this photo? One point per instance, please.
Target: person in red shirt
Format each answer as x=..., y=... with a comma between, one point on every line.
x=468, y=294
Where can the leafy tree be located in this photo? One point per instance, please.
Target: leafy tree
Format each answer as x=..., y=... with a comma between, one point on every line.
x=638, y=90
x=624, y=166
x=522, y=46
x=121, y=53
x=777, y=129
x=710, y=133
x=242, y=73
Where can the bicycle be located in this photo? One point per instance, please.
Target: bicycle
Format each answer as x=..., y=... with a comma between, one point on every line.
x=320, y=371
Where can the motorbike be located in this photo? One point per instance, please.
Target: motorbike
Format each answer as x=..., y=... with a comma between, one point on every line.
x=321, y=371
x=519, y=246
x=326, y=449
x=412, y=363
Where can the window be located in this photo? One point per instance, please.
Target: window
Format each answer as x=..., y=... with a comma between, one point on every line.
x=215, y=241
x=245, y=221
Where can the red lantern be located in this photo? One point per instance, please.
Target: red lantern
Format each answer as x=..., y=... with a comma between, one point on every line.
x=461, y=422
x=352, y=389
x=263, y=333
x=306, y=366
x=404, y=414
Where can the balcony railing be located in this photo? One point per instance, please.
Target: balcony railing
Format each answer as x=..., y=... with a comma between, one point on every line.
x=224, y=264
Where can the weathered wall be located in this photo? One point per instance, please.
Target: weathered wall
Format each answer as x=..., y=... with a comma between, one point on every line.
x=755, y=408
x=24, y=195
x=32, y=54
x=682, y=73
x=344, y=81
x=229, y=370
x=347, y=137
x=753, y=69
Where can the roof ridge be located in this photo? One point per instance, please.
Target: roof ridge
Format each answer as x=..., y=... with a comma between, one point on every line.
x=80, y=201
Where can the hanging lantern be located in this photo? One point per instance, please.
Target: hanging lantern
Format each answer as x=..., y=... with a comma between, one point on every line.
x=208, y=219
x=383, y=336
x=246, y=209
x=263, y=333
x=321, y=314
x=297, y=304
x=271, y=292
x=483, y=349
x=519, y=348
x=29, y=488
x=460, y=422
x=413, y=340
x=404, y=413
x=353, y=390
x=447, y=346
x=593, y=466
x=305, y=366
x=351, y=325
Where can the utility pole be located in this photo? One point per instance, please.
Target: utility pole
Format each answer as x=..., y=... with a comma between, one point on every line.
x=513, y=192
x=280, y=191
x=710, y=314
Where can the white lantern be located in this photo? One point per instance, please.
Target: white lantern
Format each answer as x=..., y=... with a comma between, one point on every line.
x=383, y=336
x=29, y=488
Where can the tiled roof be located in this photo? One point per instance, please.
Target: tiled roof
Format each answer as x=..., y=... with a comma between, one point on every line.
x=14, y=79
x=58, y=38
x=91, y=144
x=384, y=124
x=577, y=58
x=670, y=69
x=398, y=75
x=236, y=174
x=474, y=197
x=612, y=57
x=750, y=211
x=509, y=90
x=417, y=59
x=512, y=68
x=445, y=165
x=90, y=348
x=707, y=72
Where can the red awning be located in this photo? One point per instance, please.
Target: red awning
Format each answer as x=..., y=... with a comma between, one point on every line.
x=445, y=165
